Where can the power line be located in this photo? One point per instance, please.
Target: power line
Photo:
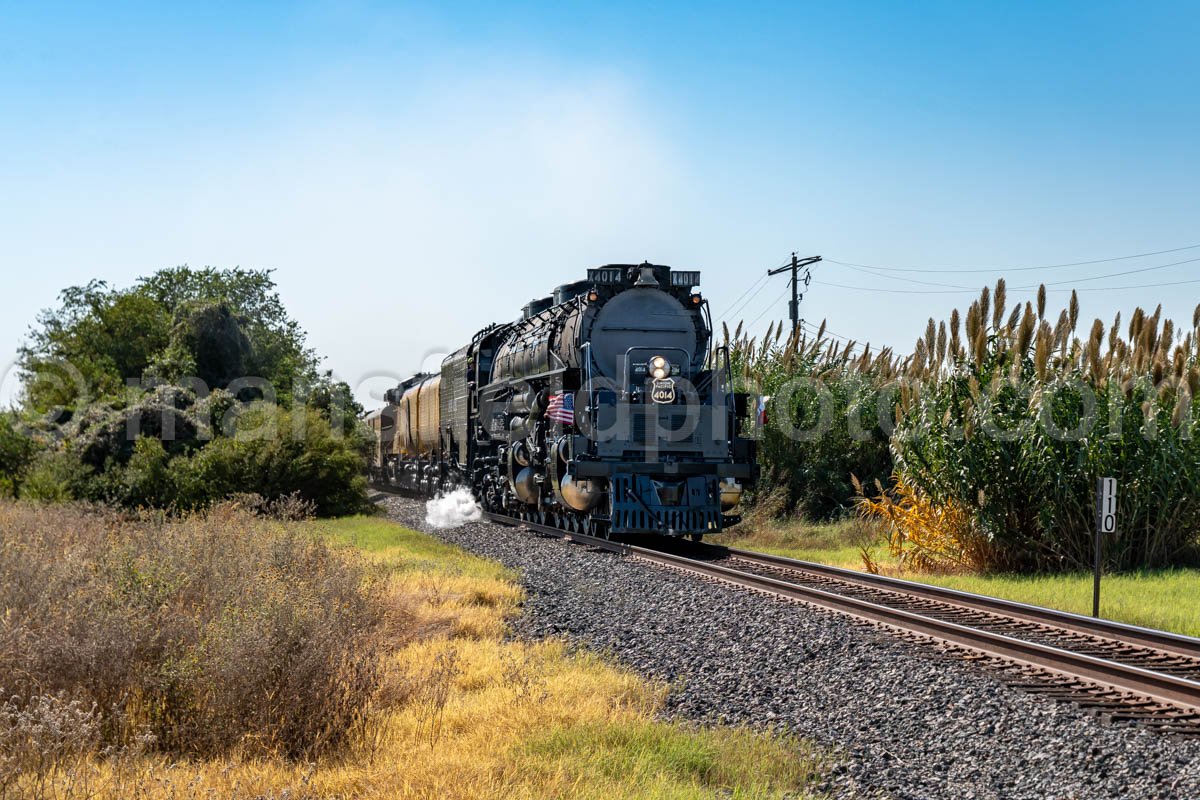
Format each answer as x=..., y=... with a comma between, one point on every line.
x=1013, y=269
x=1126, y=272
x=855, y=344
x=743, y=305
x=815, y=329
x=1013, y=288
x=868, y=271
x=1119, y=288
x=1029, y=286
x=770, y=306
x=743, y=294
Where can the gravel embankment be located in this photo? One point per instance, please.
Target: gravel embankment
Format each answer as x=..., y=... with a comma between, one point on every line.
x=902, y=723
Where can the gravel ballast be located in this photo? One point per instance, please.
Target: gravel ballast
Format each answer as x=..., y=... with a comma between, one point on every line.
x=899, y=720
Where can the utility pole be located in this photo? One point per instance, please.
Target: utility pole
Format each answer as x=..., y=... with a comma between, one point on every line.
x=797, y=296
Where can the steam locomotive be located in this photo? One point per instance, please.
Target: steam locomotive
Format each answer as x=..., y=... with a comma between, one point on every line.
x=603, y=409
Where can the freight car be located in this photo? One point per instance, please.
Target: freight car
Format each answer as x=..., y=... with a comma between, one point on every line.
x=604, y=409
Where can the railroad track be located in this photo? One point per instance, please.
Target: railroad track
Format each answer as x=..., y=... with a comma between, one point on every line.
x=1122, y=672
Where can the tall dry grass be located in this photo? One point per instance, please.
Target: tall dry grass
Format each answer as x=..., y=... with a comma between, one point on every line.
x=1015, y=419
x=218, y=634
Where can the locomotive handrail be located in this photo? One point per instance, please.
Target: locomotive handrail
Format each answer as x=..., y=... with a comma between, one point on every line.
x=731, y=420
x=591, y=399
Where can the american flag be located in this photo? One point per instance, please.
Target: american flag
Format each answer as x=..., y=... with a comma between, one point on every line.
x=562, y=408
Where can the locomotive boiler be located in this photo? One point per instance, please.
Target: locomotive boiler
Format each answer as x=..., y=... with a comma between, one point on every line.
x=603, y=409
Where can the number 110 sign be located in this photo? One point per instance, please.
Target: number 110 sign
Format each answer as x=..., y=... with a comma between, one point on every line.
x=1106, y=506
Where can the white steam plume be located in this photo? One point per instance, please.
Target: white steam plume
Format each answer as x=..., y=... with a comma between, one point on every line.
x=453, y=509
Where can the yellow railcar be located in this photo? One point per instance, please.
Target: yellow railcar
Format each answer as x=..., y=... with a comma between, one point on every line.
x=429, y=413
x=419, y=418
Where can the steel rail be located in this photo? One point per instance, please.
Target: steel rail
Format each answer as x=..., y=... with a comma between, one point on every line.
x=1120, y=632
x=1169, y=689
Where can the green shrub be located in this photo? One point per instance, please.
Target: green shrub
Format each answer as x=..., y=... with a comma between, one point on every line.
x=275, y=452
x=17, y=451
x=823, y=422
x=56, y=476
x=146, y=480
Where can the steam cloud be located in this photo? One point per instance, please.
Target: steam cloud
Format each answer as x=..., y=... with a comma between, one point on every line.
x=453, y=509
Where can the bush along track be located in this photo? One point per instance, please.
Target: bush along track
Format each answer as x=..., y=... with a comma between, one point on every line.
x=904, y=724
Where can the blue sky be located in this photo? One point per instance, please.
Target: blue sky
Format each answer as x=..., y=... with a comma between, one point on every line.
x=413, y=172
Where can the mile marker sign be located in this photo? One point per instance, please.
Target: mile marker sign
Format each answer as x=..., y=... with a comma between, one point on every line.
x=1106, y=506
x=1106, y=525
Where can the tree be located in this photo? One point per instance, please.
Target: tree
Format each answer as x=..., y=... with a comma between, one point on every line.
x=278, y=351
x=157, y=413
x=217, y=325
x=90, y=345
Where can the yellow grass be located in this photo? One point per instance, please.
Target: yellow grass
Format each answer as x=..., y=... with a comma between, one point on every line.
x=466, y=714
x=921, y=534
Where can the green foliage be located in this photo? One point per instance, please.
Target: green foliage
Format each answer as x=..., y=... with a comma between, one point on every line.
x=96, y=339
x=275, y=452
x=146, y=480
x=823, y=423
x=215, y=325
x=1007, y=418
x=153, y=395
x=277, y=350
x=17, y=451
x=335, y=402
x=209, y=341
x=56, y=476
x=270, y=451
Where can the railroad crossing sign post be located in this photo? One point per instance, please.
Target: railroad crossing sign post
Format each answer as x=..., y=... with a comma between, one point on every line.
x=1106, y=525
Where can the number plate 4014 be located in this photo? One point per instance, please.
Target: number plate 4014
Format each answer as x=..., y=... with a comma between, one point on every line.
x=663, y=391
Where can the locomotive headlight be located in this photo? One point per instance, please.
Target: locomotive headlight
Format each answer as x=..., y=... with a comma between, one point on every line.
x=659, y=368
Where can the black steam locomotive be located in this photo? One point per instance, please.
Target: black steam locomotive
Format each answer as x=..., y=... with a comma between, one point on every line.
x=604, y=409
